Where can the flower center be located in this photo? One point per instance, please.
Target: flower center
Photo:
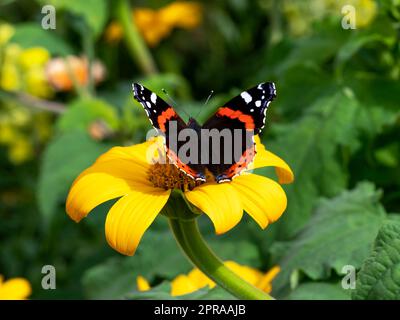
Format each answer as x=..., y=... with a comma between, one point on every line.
x=168, y=176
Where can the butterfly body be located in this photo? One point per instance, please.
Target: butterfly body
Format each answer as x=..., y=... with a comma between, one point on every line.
x=223, y=145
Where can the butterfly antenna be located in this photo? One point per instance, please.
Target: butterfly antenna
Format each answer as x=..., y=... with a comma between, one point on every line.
x=172, y=100
x=205, y=103
x=209, y=97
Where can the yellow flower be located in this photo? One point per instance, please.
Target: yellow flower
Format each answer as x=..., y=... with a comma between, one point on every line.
x=11, y=53
x=34, y=57
x=144, y=188
x=6, y=32
x=7, y=132
x=32, y=62
x=155, y=25
x=20, y=150
x=142, y=284
x=36, y=82
x=302, y=14
x=195, y=279
x=366, y=11
x=10, y=79
x=113, y=32
x=14, y=289
x=186, y=15
x=24, y=70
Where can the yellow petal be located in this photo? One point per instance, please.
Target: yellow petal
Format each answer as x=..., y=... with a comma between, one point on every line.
x=262, y=198
x=130, y=217
x=247, y=273
x=142, y=284
x=114, y=174
x=15, y=289
x=266, y=158
x=265, y=282
x=219, y=202
x=183, y=14
x=199, y=279
x=181, y=285
x=142, y=153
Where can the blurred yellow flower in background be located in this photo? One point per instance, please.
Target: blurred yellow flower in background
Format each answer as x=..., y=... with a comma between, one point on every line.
x=33, y=57
x=9, y=72
x=155, y=25
x=6, y=32
x=21, y=130
x=366, y=10
x=24, y=70
x=10, y=80
x=195, y=279
x=32, y=61
x=20, y=150
x=302, y=14
x=14, y=289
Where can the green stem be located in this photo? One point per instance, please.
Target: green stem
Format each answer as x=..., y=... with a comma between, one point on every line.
x=187, y=235
x=138, y=49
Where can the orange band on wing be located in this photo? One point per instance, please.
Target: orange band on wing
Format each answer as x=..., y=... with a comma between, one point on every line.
x=236, y=114
x=246, y=158
x=165, y=116
x=174, y=158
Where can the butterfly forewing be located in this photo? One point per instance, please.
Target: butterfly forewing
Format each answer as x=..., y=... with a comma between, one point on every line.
x=245, y=116
x=164, y=118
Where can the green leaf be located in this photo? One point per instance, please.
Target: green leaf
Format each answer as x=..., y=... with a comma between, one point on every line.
x=95, y=12
x=379, y=277
x=32, y=35
x=159, y=292
x=354, y=44
x=313, y=50
x=340, y=233
x=319, y=291
x=311, y=146
x=81, y=113
x=157, y=256
x=64, y=159
x=375, y=90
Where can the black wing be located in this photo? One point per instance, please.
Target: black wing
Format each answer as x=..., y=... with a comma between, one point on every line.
x=158, y=111
x=244, y=116
x=165, y=119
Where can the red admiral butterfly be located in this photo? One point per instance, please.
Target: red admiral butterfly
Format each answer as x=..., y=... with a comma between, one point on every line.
x=242, y=117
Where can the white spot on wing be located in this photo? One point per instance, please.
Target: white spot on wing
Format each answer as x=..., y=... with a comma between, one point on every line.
x=148, y=104
x=246, y=97
x=153, y=98
x=258, y=103
x=274, y=88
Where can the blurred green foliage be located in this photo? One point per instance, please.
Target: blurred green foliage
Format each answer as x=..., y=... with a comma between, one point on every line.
x=335, y=121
